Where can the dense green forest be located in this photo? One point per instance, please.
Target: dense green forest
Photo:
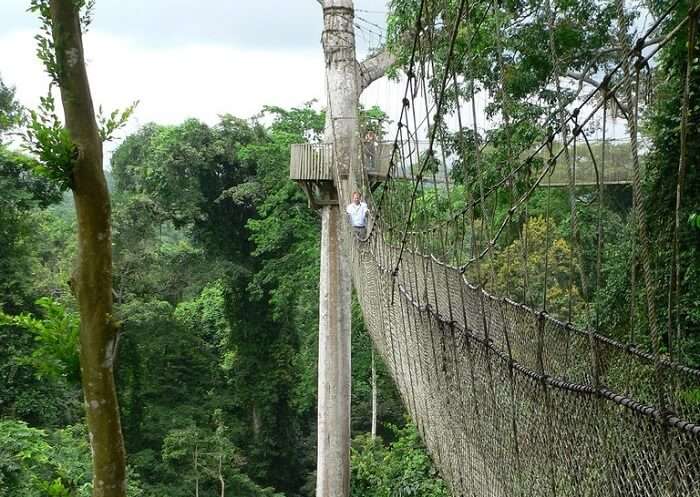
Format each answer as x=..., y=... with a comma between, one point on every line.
x=216, y=269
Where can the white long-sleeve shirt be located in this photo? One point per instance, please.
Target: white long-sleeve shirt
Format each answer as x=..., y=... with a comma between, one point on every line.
x=357, y=213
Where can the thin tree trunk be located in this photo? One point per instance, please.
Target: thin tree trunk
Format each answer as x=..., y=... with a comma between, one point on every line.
x=92, y=280
x=196, y=471
x=221, y=476
x=374, y=397
x=257, y=422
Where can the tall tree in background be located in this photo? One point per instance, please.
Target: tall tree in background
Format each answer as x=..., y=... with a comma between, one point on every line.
x=22, y=191
x=10, y=110
x=75, y=160
x=346, y=78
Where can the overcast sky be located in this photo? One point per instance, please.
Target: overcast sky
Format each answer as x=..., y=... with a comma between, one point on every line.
x=186, y=58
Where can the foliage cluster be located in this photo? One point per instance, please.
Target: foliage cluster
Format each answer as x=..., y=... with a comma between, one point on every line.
x=216, y=267
x=535, y=61
x=401, y=468
x=215, y=284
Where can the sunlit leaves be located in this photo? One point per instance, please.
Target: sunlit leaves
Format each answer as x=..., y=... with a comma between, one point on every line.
x=401, y=468
x=46, y=48
x=47, y=463
x=56, y=340
x=117, y=119
x=50, y=142
x=10, y=110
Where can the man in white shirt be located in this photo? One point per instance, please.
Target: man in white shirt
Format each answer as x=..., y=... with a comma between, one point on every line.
x=357, y=213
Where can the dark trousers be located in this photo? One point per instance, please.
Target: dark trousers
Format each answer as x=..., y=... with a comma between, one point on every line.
x=360, y=231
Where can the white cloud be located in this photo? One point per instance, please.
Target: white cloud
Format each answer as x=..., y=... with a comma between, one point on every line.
x=172, y=84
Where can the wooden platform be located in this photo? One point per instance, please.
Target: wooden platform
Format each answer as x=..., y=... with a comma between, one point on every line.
x=314, y=161
x=311, y=162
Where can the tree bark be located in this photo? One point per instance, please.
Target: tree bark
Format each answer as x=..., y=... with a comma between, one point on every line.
x=92, y=280
x=374, y=67
x=333, y=456
x=257, y=422
x=342, y=86
x=345, y=79
x=334, y=372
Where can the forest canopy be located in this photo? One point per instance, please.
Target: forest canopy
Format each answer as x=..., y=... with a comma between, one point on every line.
x=214, y=256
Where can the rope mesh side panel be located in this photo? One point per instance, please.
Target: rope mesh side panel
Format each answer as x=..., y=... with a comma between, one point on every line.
x=510, y=399
x=466, y=394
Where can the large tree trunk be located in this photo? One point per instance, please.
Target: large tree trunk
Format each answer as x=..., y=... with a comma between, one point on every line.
x=333, y=456
x=342, y=86
x=92, y=281
x=334, y=376
x=345, y=79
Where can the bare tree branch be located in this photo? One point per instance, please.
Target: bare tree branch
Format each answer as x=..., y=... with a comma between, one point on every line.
x=653, y=41
x=374, y=67
x=582, y=78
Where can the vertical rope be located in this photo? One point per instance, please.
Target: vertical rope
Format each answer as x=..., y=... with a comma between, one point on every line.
x=593, y=345
x=676, y=280
x=601, y=206
x=546, y=223
x=639, y=201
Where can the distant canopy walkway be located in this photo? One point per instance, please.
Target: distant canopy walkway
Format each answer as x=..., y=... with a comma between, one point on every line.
x=313, y=162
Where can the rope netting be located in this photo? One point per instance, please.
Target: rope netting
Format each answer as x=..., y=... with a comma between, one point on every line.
x=485, y=305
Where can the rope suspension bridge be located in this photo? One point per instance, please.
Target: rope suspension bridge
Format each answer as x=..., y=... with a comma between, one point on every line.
x=488, y=318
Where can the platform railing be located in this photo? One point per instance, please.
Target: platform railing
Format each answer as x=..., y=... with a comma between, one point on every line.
x=313, y=162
